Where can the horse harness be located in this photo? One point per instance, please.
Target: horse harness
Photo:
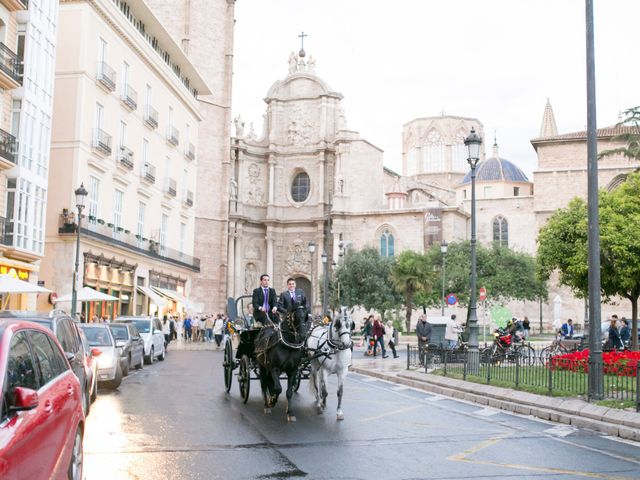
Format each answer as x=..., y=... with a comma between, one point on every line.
x=329, y=346
x=280, y=338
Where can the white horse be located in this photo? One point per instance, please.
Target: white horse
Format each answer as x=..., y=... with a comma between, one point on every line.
x=330, y=347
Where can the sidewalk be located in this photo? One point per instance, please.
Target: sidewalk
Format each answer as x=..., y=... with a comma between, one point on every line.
x=567, y=410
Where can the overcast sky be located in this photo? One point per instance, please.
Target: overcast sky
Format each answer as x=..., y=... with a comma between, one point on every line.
x=496, y=60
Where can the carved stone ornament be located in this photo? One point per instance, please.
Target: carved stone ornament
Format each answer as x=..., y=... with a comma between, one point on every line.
x=251, y=252
x=298, y=258
x=250, y=277
x=255, y=193
x=301, y=129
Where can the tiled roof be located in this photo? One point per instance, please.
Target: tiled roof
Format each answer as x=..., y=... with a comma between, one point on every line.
x=605, y=132
x=497, y=169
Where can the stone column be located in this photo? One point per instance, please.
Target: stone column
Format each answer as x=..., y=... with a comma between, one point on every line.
x=238, y=265
x=272, y=180
x=270, y=237
x=231, y=265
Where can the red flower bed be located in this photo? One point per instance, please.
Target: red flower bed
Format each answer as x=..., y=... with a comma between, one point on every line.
x=623, y=364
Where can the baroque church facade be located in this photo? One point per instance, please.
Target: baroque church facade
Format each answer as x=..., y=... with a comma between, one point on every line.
x=310, y=179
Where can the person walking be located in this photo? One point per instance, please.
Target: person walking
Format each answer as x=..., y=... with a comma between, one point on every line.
x=367, y=333
x=218, y=327
x=208, y=328
x=393, y=338
x=166, y=331
x=613, y=342
x=423, y=332
x=378, y=337
x=625, y=332
x=187, y=329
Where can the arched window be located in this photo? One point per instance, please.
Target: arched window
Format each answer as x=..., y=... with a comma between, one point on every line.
x=300, y=187
x=433, y=153
x=386, y=244
x=501, y=231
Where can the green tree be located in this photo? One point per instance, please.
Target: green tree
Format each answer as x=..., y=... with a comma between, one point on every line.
x=630, y=138
x=563, y=246
x=363, y=280
x=412, y=276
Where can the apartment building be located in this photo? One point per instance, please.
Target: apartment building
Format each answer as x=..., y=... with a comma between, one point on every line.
x=27, y=56
x=125, y=126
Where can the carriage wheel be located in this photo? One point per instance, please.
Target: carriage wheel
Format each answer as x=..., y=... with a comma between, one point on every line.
x=228, y=364
x=244, y=378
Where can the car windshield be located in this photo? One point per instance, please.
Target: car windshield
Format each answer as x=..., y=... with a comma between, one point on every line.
x=98, y=337
x=119, y=332
x=143, y=326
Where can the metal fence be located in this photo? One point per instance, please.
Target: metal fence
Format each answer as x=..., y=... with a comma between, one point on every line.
x=534, y=372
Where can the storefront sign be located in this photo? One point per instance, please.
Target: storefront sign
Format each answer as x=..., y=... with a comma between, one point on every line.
x=14, y=272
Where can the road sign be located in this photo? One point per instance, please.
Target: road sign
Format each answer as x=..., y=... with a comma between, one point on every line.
x=452, y=299
x=483, y=294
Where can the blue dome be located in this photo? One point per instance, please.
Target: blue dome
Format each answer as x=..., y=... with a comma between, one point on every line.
x=496, y=169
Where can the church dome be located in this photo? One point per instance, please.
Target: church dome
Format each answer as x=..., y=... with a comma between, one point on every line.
x=496, y=169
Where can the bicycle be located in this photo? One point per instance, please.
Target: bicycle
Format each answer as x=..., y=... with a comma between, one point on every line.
x=556, y=348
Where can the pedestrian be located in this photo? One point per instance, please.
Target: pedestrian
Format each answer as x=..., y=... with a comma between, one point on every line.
x=567, y=329
x=526, y=326
x=166, y=331
x=195, y=328
x=613, y=340
x=625, y=332
x=187, y=329
x=208, y=327
x=180, y=329
x=218, y=327
x=423, y=332
x=173, y=331
x=393, y=338
x=450, y=332
x=367, y=333
x=378, y=337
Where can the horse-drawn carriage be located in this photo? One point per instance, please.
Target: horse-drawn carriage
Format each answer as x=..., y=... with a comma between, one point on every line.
x=297, y=347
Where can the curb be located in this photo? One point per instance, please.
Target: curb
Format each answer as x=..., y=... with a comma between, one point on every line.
x=569, y=411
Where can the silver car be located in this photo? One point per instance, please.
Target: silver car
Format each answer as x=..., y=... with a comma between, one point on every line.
x=104, y=347
x=150, y=330
x=130, y=345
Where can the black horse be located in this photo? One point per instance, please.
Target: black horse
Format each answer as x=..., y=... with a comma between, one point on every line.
x=278, y=349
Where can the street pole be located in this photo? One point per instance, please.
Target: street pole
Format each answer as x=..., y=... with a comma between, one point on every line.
x=325, y=283
x=596, y=375
x=443, y=249
x=80, y=194
x=473, y=142
x=312, y=248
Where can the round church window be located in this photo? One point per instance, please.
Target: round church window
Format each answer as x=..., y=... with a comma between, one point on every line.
x=300, y=187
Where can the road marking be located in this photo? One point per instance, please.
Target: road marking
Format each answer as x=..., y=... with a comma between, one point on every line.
x=486, y=412
x=436, y=398
x=394, y=412
x=369, y=379
x=561, y=430
x=463, y=457
x=400, y=388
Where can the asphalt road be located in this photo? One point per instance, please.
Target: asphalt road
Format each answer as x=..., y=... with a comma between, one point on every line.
x=173, y=420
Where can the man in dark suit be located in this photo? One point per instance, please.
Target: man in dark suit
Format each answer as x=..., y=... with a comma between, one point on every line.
x=291, y=298
x=264, y=301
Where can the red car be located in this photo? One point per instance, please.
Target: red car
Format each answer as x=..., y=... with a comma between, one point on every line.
x=41, y=416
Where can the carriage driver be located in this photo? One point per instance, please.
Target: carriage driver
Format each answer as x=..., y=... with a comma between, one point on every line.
x=291, y=298
x=264, y=300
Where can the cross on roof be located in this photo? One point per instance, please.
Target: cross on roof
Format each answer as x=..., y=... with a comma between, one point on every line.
x=301, y=37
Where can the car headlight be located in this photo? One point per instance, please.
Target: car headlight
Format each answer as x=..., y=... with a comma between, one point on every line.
x=105, y=360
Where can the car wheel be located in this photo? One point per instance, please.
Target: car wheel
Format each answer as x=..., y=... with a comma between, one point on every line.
x=152, y=356
x=115, y=383
x=125, y=370
x=77, y=460
x=162, y=355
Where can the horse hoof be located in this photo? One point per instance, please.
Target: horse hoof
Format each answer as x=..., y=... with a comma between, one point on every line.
x=267, y=410
x=340, y=416
x=291, y=418
x=320, y=410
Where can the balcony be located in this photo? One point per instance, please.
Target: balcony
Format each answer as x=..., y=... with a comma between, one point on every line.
x=151, y=116
x=6, y=232
x=173, y=136
x=8, y=150
x=148, y=174
x=106, y=76
x=10, y=77
x=129, y=97
x=101, y=141
x=125, y=157
x=123, y=239
x=188, y=199
x=15, y=5
x=190, y=151
x=170, y=187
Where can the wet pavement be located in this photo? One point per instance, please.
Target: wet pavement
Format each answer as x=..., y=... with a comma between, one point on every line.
x=173, y=420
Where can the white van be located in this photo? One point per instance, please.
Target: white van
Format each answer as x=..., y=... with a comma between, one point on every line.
x=150, y=330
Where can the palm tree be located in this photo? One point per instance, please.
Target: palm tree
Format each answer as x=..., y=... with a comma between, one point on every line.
x=410, y=276
x=631, y=137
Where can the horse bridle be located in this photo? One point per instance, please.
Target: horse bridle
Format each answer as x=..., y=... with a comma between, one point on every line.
x=338, y=344
x=292, y=327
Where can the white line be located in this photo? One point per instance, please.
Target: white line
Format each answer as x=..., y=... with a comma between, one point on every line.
x=400, y=388
x=561, y=430
x=486, y=412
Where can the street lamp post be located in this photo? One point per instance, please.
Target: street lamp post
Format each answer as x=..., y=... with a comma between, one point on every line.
x=443, y=249
x=312, y=248
x=81, y=195
x=473, y=142
x=325, y=282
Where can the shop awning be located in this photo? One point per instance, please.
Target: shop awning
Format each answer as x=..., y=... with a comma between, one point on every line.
x=153, y=296
x=177, y=297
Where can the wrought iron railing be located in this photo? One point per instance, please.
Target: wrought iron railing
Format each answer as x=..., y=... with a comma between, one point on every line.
x=149, y=173
x=151, y=116
x=8, y=146
x=102, y=141
x=129, y=96
x=173, y=136
x=188, y=198
x=170, y=187
x=190, y=151
x=106, y=76
x=125, y=157
x=562, y=374
x=9, y=63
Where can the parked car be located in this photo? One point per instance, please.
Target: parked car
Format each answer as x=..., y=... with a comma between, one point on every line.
x=91, y=366
x=150, y=329
x=103, y=347
x=130, y=345
x=68, y=335
x=41, y=405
